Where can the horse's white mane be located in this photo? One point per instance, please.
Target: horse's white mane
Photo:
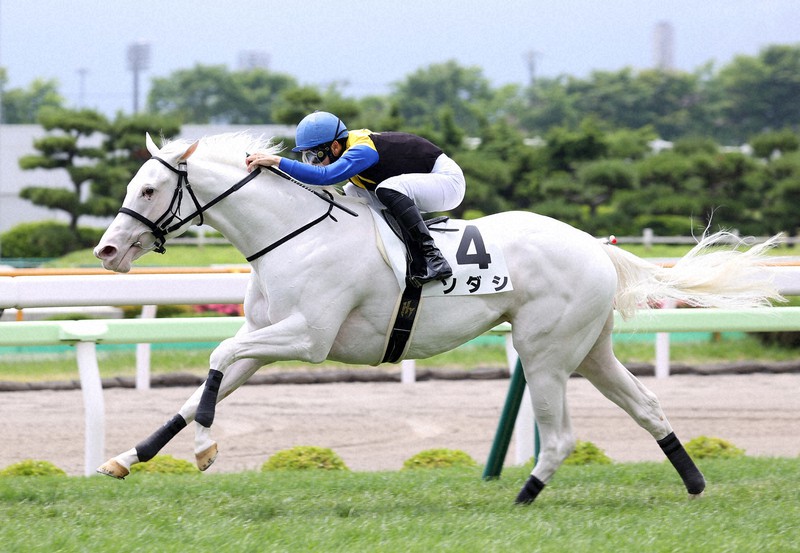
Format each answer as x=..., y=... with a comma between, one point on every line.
x=230, y=147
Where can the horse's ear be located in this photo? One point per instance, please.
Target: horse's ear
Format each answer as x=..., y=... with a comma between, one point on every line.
x=189, y=151
x=151, y=146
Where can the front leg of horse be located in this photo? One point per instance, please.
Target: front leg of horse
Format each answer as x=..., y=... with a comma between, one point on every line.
x=119, y=466
x=287, y=340
x=205, y=448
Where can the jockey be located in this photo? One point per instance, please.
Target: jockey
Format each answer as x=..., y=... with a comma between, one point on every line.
x=407, y=173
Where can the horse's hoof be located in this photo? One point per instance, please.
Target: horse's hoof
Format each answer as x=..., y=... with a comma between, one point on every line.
x=700, y=495
x=207, y=457
x=114, y=469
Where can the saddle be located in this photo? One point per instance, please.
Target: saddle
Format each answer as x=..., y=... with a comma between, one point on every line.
x=478, y=264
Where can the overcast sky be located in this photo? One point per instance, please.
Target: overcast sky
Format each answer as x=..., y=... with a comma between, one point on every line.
x=370, y=44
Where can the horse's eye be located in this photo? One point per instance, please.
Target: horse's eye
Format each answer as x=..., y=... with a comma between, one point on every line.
x=148, y=191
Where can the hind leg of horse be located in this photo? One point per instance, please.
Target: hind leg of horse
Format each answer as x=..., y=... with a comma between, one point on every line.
x=607, y=374
x=551, y=349
x=548, y=395
x=119, y=466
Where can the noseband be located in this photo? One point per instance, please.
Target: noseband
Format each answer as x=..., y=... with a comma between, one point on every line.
x=164, y=225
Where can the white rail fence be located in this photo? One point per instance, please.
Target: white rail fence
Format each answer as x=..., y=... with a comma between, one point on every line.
x=21, y=292
x=150, y=290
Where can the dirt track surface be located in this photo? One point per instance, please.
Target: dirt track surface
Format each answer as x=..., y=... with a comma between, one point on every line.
x=376, y=426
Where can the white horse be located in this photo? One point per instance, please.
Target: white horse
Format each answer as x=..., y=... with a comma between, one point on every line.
x=325, y=291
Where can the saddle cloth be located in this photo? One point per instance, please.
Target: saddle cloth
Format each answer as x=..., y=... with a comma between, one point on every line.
x=479, y=266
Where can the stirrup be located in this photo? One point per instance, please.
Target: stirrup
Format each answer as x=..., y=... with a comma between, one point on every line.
x=436, y=220
x=419, y=281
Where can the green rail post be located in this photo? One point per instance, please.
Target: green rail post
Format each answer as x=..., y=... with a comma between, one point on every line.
x=516, y=388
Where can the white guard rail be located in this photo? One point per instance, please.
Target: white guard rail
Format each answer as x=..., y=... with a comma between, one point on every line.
x=136, y=289
x=22, y=292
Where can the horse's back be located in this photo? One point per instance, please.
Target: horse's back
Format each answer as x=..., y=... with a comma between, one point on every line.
x=539, y=245
x=560, y=276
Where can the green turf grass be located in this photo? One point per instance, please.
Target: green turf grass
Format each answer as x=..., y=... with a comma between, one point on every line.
x=751, y=504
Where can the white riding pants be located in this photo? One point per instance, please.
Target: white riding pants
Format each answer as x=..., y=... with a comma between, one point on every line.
x=440, y=190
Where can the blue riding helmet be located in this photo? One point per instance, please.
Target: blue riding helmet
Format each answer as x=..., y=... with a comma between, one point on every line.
x=318, y=128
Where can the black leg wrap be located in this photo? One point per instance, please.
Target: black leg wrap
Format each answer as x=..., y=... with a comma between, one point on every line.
x=148, y=449
x=529, y=491
x=208, y=401
x=692, y=477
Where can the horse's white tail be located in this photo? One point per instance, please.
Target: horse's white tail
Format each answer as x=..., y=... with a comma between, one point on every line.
x=727, y=278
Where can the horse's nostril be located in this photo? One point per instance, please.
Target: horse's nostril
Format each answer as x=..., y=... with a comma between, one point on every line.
x=106, y=252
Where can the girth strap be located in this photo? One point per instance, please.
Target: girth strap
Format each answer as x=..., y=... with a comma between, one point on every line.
x=403, y=324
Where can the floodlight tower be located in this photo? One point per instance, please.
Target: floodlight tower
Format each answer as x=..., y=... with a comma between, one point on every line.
x=664, y=46
x=253, y=59
x=138, y=60
x=531, y=57
x=82, y=86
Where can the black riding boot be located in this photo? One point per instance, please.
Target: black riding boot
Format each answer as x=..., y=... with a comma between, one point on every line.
x=427, y=262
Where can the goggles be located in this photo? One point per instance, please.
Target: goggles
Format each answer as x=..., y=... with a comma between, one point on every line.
x=315, y=156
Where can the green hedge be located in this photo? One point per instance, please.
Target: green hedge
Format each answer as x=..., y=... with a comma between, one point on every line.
x=32, y=467
x=47, y=239
x=439, y=458
x=304, y=458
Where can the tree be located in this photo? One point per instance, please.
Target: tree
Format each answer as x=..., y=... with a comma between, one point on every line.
x=98, y=169
x=421, y=97
x=67, y=148
x=672, y=102
x=376, y=112
x=213, y=94
x=297, y=102
x=761, y=92
x=767, y=144
x=565, y=148
x=21, y=106
x=199, y=95
x=548, y=105
x=783, y=194
x=294, y=103
x=695, y=182
x=729, y=191
x=600, y=179
x=630, y=143
x=259, y=91
x=125, y=149
x=556, y=189
x=333, y=101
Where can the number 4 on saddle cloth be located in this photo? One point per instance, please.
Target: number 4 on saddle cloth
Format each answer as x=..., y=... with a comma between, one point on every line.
x=478, y=264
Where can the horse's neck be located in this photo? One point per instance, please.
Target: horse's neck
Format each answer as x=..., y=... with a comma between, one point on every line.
x=261, y=212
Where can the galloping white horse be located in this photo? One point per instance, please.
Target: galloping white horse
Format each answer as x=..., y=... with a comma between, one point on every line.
x=320, y=289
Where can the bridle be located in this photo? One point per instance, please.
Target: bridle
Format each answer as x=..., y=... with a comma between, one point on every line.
x=164, y=225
